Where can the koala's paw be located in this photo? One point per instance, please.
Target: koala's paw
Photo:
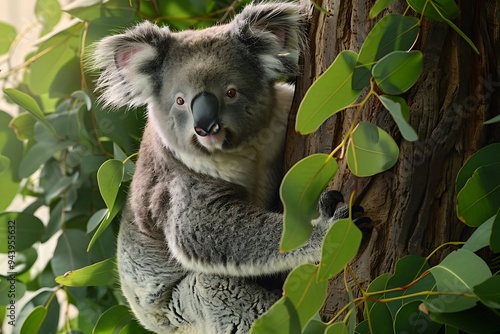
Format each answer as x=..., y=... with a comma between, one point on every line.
x=328, y=202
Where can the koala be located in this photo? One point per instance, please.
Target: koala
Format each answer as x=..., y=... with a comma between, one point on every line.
x=199, y=228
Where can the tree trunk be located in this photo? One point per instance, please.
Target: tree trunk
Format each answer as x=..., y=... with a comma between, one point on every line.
x=413, y=204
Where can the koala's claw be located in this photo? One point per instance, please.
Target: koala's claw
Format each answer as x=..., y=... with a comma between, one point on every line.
x=328, y=202
x=364, y=224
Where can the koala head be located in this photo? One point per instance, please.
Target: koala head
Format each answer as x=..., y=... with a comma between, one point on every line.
x=206, y=90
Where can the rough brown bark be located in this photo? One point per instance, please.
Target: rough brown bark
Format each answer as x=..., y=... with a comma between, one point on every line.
x=413, y=204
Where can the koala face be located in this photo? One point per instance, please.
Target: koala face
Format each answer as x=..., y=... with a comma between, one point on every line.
x=206, y=90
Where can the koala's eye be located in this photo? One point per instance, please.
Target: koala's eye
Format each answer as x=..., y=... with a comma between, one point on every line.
x=180, y=101
x=231, y=93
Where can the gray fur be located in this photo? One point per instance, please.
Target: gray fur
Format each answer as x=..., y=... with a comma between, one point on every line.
x=197, y=226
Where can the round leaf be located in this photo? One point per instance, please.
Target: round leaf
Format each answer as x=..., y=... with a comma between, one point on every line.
x=300, y=191
x=409, y=319
x=70, y=253
x=371, y=150
x=394, y=32
x=447, y=8
x=329, y=94
x=113, y=320
x=398, y=71
x=398, y=109
x=486, y=156
x=379, y=6
x=489, y=292
x=11, y=148
x=481, y=236
x=20, y=230
x=479, y=199
x=337, y=328
x=7, y=36
x=340, y=246
x=459, y=272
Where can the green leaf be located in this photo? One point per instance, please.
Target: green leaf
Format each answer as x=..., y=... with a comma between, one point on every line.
x=493, y=120
x=108, y=218
x=109, y=179
x=305, y=292
x=303, y=298
x=70, y=253
x=371, y=150
x=57, y=71
x=329, y=94
x=34, y=320
x=486, y=156
x=447, y=8
x=18, y=231
x=398, y=109
x=96, y=218
x=101, y=273
x=7, y=36
x=378, y=284
x=11, y=148
x=300, y=191
x=479, y=199
x=340, y=246
x=489, y=292
x=281, y=318
x=29, y=103
x=481, y=236
x=4, y=164
x=479, y=319
x=409, y=319
x=495, y=234
x=48, y=13
x=394, y=32
x=398, y=71
x=24, y=126
x=315, y=326
x=337, y=328
x=113, y=320
x=379, y=6
x=38, y=155
x=459, y=272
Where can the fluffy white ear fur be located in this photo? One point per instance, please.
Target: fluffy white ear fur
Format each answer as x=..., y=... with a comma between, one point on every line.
x=124, y=60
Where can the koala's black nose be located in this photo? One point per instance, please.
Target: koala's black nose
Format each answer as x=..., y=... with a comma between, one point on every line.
x=205, y=109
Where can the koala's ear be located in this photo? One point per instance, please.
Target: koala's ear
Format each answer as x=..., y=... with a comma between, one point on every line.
x=131, y=63
x=276, y=31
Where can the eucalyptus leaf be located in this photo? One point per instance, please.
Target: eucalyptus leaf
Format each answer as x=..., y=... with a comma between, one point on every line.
x=24, y=126
x=481, y=236
x=113, y=320
x=489, y=292
x=398, y=109
x=329, y=94
x=487, y=155
x=101, y=273
x=48, y=13
x=305, y=293
x=38, y=155
x=281, y=318
x=495, y=234
x=371, y=150
x=109, y=179
x=435, y=9
x=459, y=272
x=409, y=319
x=300, y=191
x=34, y=320
x=394, y=32
x=479, y=199
x=398, y=71
x=10, y=147
x=4, y=164
x=340, y=246
x=493, y=120
x=379, y=6
x=337, y=328
x=70, y=253
x=479, y=319
x=19, y=230
x=7, y=36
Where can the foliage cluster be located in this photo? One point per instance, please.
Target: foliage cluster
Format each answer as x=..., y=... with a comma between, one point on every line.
x=67, y=154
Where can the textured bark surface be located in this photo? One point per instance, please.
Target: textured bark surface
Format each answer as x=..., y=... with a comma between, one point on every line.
x=413, y=204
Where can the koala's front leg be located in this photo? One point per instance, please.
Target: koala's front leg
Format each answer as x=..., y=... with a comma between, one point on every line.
x=212, y=228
